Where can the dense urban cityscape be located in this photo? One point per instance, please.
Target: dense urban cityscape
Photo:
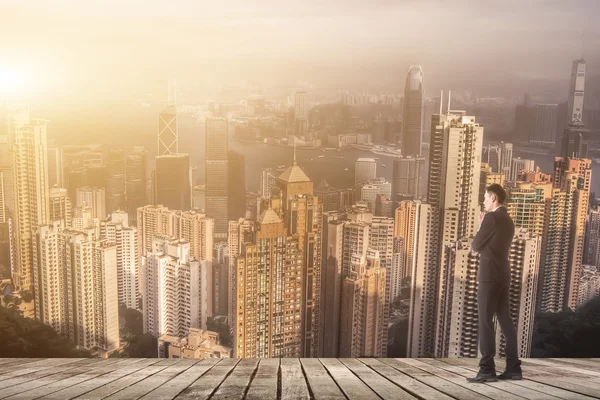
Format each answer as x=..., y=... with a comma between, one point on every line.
x=368, y=257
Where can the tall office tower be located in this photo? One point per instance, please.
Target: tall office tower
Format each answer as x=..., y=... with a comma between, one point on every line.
x=191, y=226
x=300, y=110
x=220, y=279
x=487, y=177
x=525, y=119
x=76, y=287
x=457, y=330
x=412, y=116
x=494, y=154
x=589, y=284
x=545, y=124
x=135, y=182
x=199, y=197
x=28, y=153
x=409, y=178
x=506, y=159
x=268, y=178
x=59, y=206
x=269, y=294
x=369, y=191
x=519, y=165
x=116, y=230
x=175, y=289
x=329, y=196
x=238, y=234
x=115, y=184
x=168, y=131
x=365, y=169
x=217, y=174
x=576, y=92
x=55, y=178
x=302, y=215
x=524, y=258
x=236, y=192
x=94, y=198
x=77, y=161
x=173, y=188
x=574, y=177
x=362, y=321
x=453, y=193
x=576, y=137
x=591, y=255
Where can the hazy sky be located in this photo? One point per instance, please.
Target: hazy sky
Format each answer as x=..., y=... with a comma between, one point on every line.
x=70, y=45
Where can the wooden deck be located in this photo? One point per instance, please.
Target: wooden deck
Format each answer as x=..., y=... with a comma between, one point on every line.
x=329, y=378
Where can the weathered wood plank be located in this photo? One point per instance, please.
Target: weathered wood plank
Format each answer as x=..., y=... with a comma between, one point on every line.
x=152, y=382
x=584, y=362
x=486, y=390
x=446, y=382
x=208, y=383
x=172, y=388
x=19, y=363
x=539, y=376
x=350, y=384
x=88, y=373
x=236, y=384
x=406, y=382
x=293, y=382
x=89, y=385
x=23, y=378
x=543, y=388
x=42, y=369
x=320, y=383
x=264, y=384
x=122, y=383
x=383, y=387
x=552, y=364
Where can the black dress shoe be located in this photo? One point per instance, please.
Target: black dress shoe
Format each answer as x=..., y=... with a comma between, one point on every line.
x=515, y=375
x=483, y=377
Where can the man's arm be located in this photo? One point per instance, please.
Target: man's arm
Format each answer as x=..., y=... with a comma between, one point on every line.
x=485, y=233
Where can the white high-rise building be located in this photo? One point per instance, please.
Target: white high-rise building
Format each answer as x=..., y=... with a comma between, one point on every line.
x=365, y=169
x=60, y=206
x=28, y=153
x=589, y=284
x=77, y=287
x=117, y=231
x=175, y=289
x=236, y=237
x=92, y=197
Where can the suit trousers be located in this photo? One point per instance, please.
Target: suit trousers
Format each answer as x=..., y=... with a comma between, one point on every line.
x=493, y=298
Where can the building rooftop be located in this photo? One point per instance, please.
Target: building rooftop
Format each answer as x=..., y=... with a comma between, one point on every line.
x=294, y=174
x=269, y=217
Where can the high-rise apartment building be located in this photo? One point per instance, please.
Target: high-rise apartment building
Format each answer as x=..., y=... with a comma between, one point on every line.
x=591, y=255
x=412, y=116
x=239, y=233
x=176, y=289
x=59, y=206
x=518, y=166
x=93, y=198
x=173, y=188
x=28, y=154
x=76, y=287
x=487, y=178
x=217, y=174
x=362, y=320
x=589, y=284
x=116, y=230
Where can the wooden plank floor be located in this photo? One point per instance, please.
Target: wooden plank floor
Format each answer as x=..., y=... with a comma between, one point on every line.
x=266, y=379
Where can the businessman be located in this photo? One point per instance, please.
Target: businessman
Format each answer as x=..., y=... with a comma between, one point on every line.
x=492, y=242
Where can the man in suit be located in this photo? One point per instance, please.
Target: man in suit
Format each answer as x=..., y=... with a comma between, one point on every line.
x=492, y=242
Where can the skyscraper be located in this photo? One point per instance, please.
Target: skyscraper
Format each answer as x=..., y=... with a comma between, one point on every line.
x=173, y=188
x=77, y=288
x=545, y=124
x=135, y=182
x=365, y=169
x=238, y=234
x=115, y=183
x=217, y=174
x=92, y=197
x=28, y=153
x=409, y=178
x=236, y=192
x=176, y=289
x=168, y=133
x=362, y=320
x=412, y=122
x=576, y=136
x=60, y=206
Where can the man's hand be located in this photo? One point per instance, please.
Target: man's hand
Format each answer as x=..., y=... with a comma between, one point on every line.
x=481, y=216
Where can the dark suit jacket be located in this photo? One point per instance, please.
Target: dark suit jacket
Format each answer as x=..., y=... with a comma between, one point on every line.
x=492, y=242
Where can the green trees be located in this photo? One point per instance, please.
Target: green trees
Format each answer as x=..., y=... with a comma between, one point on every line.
x=568, y=333
x=25, y=337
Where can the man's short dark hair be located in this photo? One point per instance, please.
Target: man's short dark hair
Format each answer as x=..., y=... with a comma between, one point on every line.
x=498, y=190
